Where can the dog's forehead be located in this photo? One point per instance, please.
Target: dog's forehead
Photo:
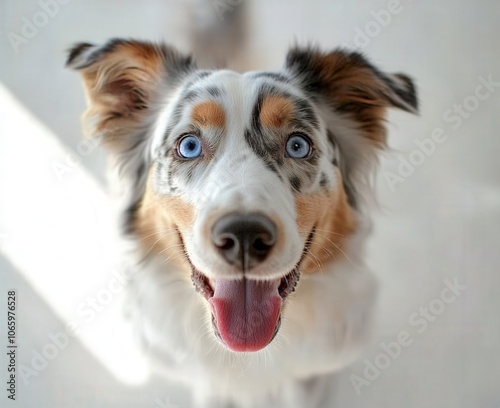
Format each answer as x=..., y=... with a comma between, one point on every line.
x=235, y=93
x=236, y=103
x=240, y=84
x=238, y=93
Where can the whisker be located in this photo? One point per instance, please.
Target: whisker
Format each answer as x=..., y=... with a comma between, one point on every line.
x=176, y=253
x=328, y=231
x=334, y=244
x=326, y=249
x=164, y=233
x=315, y=259
x=341, y=251
x=158, y=240
x=176, y=245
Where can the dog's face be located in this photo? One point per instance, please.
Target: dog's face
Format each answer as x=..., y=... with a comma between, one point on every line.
x=245, y=181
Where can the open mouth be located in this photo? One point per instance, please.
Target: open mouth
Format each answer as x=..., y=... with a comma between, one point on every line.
x=246, y=313
x=286, y=286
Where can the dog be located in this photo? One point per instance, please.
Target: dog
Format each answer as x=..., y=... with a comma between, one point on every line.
x=246, y=199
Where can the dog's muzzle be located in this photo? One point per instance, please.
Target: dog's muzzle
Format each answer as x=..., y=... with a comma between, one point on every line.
x=246, y=312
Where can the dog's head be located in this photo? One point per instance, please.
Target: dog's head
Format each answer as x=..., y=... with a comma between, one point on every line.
x=247, y=180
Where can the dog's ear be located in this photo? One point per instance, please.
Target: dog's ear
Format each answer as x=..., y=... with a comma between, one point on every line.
x=122, y=80
x=350, y=85
x=126, y=82
x=354, y=97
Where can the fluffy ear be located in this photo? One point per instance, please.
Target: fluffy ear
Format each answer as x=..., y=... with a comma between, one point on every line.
x=122, y=80
x=354, y=97
x=350, y=85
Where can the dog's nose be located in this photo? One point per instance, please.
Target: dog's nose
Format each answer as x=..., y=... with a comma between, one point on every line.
x=244, y=240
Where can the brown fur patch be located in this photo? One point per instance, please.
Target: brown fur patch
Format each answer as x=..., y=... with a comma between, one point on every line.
x=352, y=87
x=123, y=80
x=209, y=114
x=333, y=219
x=158, y=224
x=121, y=84
x=356, y=90
x=276, y=111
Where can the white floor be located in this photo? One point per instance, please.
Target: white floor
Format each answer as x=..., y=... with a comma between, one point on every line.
x=437, y=226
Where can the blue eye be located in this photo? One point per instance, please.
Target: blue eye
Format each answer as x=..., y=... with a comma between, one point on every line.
x=298, y=147
x=189, y=147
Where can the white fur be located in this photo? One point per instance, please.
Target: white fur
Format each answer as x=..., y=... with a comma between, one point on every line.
x=324, y=323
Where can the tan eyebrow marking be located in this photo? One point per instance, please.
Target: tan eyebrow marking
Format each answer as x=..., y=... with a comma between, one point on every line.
x=209, y=114
x=276, y=111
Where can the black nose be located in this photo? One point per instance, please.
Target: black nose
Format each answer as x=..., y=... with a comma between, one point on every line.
x=244, y=240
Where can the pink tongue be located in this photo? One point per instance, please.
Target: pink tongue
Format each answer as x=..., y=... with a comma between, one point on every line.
x=246, y=312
